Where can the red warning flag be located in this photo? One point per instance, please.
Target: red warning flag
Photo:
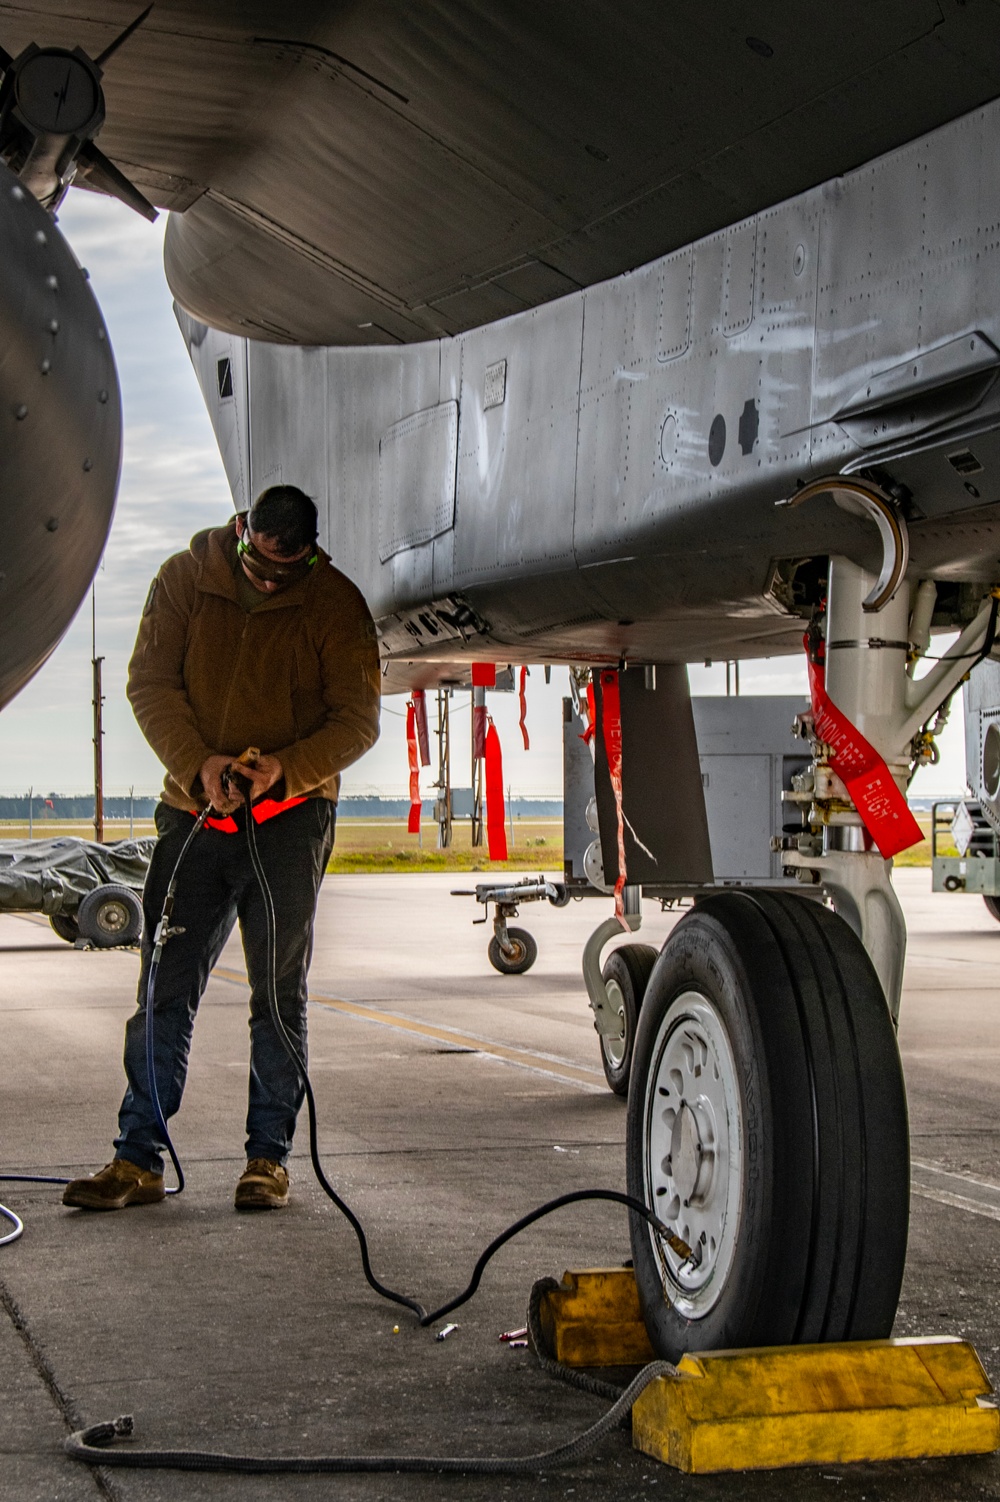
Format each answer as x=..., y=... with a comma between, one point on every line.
x=496, y=813
x=413, y=823
x=523, y=697
x=478, y=730
x=872, y=787
x=423, y=737
x=611, y=726
x=484, y=675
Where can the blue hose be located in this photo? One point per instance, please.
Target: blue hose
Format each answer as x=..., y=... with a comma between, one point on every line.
x=15, y=1220
x=163, y=933
x=154, y=1095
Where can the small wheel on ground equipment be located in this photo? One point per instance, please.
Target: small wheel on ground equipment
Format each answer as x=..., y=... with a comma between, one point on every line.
x=562, y=897
x=110, y=916
x=523, y=952
x=767, y=1128
x=626, y=974
x=66, y=926
x=993, y=907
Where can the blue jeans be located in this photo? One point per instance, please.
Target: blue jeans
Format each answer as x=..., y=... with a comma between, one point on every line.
x=217, y=885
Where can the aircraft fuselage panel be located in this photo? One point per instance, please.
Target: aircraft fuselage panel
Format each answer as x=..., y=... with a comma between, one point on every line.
x=599, y=477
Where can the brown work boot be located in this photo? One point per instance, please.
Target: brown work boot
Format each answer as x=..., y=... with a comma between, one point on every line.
x=118, y=1184
x=264, y=1186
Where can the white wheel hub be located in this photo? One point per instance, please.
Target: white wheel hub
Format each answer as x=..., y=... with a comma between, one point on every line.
x=614, y=1043
x=693, y=1151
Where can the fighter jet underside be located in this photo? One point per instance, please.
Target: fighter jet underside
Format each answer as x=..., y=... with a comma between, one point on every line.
x=621, y=337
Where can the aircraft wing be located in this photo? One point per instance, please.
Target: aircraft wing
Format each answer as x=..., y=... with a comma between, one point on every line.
x=385, y=173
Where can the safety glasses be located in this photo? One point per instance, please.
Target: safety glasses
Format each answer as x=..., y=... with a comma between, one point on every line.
x=272, y=570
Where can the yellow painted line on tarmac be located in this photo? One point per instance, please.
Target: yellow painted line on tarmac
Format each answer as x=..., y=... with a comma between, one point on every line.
x=524, y=1058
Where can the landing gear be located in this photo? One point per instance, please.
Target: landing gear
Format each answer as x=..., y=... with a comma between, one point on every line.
x=993, y=907
x=626, y=974
x=512, y=951
x=519, y=955
x=767, y=1116
x=767, y=1127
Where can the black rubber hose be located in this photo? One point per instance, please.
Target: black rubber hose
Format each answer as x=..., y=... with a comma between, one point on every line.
x=93, y=1446
x=289, y=1045
x=613, y=1195
x=574, y=1197
x=162, y=935
x=596, y=1386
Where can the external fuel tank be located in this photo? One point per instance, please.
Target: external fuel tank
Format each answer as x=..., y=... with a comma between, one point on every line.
x=60, y=435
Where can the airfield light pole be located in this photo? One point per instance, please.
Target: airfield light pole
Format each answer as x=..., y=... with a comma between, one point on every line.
x=31, y=825
x=96, y=663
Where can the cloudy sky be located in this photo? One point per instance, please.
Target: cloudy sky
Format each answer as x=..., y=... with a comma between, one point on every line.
x=172, y=485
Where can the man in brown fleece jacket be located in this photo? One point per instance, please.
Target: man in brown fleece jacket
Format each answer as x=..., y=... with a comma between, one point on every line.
x=250, y=639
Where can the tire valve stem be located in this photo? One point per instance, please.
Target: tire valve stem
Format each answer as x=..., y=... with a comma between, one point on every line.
x=676, y=1243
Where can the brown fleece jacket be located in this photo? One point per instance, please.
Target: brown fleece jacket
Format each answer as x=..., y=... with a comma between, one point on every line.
x=298, y=677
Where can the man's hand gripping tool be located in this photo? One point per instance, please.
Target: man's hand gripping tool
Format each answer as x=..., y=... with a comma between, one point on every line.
x=231, y=779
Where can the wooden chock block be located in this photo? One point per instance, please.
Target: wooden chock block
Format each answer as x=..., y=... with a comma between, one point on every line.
x=819, y=1404
x=594, y=1319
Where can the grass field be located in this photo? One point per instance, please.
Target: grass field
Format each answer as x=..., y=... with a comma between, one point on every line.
x=384, y=845
x=367, y=844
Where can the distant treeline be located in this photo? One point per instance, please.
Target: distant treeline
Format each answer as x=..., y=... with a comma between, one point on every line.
x=398, y=808
x=58, y=806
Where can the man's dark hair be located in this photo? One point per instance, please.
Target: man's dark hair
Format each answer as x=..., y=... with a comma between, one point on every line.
x=287, y=515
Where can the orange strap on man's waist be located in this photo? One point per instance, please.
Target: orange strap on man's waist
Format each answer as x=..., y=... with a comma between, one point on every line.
x=267, y=808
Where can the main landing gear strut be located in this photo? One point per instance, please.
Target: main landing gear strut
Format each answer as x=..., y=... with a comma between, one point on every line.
x=767, y=1116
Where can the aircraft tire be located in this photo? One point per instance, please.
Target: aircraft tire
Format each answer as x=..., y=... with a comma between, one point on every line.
x=993, y=907
x=785, y=1162
x=626, y=975
x=110, y=916
x=524, y=956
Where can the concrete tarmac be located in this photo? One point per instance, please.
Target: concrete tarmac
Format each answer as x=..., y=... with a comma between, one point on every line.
x=451, y=1100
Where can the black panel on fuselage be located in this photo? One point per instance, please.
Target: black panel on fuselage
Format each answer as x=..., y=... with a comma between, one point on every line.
x=663, y=798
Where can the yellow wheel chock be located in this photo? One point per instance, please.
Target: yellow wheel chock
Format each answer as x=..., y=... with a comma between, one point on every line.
x=779, y=1405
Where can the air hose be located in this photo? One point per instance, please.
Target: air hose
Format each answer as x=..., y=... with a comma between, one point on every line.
x=163, y=932
x=15, y=1220
x=539, y=1213
x=91, y=1445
